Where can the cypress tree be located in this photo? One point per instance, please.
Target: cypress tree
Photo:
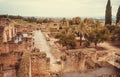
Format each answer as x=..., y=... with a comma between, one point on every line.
x=118, y=15
x=108, y=14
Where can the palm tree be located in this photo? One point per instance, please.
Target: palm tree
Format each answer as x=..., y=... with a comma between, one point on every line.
x=81, y=29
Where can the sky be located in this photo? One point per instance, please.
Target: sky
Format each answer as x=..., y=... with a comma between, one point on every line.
x=57, y=8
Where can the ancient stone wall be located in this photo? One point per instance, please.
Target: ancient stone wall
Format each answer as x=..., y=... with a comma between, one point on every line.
x=39, y=64
x=8, y=33
x=80, y=60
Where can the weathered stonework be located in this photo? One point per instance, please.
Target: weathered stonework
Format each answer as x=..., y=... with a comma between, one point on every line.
x=7, y=30
x=39, y=64
x=80, y=60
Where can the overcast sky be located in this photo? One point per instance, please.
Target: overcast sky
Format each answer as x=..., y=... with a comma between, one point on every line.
x=57, y=8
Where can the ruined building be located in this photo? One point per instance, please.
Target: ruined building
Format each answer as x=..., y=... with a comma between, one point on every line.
x=7, y=30
x=7, y=33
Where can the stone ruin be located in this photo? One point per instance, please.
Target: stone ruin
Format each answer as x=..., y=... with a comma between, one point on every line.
x=111, y=57
x=88, y=59
x=79, y=60
x=40, y=63
x=7, y=30
x=9, y=62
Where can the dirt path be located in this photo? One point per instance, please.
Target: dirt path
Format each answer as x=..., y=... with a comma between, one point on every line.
x=107, y=46
x=111, y=57
x=41, y=43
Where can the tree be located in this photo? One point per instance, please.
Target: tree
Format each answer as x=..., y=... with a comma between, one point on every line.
x=77, y=20
x=67, y=40
x=118, y=15
x=81, y=29
x=116, y=33
x=108, y=14
x=97, y=35
x=97, y=23
x=40, y=20
x=88, y=21
x=45, y=20
x=111, y=28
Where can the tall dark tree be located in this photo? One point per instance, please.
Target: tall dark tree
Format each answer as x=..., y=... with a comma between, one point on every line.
x=108, y=14
x=118, y=15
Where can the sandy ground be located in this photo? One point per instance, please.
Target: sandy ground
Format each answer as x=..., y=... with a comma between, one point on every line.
x=107, y=46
